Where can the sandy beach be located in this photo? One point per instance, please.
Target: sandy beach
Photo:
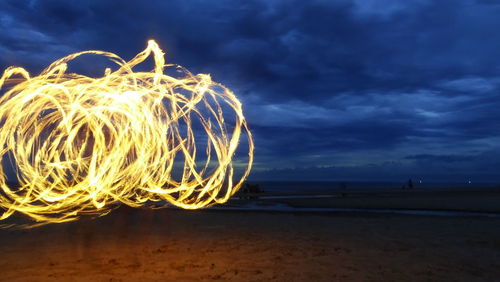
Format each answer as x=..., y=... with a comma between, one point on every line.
x=176, y=245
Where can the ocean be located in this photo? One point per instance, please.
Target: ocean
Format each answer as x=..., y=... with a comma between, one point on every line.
x=312, y=186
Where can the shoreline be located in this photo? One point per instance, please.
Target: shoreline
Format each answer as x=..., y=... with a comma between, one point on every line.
x=467, y=200
x=357, y=211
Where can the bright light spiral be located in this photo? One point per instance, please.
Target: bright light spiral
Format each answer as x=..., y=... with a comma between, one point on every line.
x=82, y=145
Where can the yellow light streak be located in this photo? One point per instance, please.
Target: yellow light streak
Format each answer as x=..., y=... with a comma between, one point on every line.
x=84, y=145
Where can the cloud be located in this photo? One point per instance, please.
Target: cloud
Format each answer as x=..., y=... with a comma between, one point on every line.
x=471, y=84
x=317, y=78
x=441, y=158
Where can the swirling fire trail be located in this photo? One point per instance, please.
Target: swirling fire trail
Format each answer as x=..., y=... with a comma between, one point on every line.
x=83, y=145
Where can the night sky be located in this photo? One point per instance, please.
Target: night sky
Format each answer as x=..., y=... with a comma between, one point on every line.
x=332, y=90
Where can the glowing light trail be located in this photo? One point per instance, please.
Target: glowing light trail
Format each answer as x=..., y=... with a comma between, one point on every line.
x=82, y=145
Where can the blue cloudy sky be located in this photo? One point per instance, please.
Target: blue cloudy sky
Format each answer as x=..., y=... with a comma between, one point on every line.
x=362, y=89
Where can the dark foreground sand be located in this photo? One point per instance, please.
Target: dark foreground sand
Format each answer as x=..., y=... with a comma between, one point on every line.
x=174, y=245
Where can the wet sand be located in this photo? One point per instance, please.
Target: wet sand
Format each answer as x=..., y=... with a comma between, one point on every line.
x=176, y=245
x=486, y=200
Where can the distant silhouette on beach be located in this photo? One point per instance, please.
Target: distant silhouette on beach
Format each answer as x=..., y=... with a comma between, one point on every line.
x=343, y=188
x=249, y=190
x=408, y=185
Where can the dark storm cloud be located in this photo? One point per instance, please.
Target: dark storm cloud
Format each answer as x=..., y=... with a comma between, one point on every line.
x=387, y=78
x=318, y=140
